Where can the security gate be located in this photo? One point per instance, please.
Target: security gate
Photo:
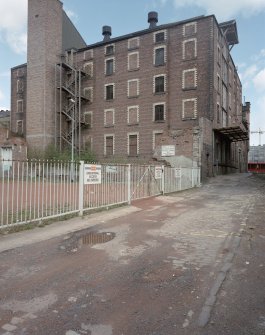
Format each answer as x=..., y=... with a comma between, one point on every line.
x=144, y=181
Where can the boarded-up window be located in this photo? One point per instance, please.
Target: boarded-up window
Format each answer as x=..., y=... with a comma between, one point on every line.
x=189, y=109
x=133, y=43
x=88, y=119
x=190, y=29
x=88, y=93
x=20, y=127
x=133, y=88
x=189, y=79
x=133, y=61
x=133, y=145
x=88, y=69
x=189, y=49
x=109, y=145
x=109, y=117
x=157, y=139
x=20, y=86
x=133, y=114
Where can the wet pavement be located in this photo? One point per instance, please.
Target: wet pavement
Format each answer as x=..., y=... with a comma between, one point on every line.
x=189, y=263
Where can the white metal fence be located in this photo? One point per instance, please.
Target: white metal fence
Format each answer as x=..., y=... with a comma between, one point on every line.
x=34, y=190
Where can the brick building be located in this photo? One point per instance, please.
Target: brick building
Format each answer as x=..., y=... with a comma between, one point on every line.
x=169, y=92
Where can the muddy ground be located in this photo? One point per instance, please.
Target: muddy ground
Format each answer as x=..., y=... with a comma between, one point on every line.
x=191, y=263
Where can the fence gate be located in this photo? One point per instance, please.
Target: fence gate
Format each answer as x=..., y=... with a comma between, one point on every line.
x=146, y=181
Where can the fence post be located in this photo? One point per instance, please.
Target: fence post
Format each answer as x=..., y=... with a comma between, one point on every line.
x=192, y=177
x=163, y=179
x=81, y=188
x=129, y=183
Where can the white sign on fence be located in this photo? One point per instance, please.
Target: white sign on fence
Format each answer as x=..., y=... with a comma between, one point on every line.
x=92, y=174
x=111, y=169
x=168, y=150
x=158, y=172
x=177, y=172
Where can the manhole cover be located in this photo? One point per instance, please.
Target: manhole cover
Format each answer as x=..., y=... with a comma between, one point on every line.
x=96, y=238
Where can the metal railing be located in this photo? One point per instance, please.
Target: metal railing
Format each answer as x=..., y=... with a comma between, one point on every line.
x=32, y=191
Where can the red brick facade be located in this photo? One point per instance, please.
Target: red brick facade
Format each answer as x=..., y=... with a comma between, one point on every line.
x=174, y=84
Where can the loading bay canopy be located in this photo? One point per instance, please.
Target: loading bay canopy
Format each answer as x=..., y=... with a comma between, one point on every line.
x=234, y=134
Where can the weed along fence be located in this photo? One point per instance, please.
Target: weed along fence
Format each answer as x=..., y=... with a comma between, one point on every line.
x=33, y=191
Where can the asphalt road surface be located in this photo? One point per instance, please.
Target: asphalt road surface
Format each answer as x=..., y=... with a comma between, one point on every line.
x=191, y=263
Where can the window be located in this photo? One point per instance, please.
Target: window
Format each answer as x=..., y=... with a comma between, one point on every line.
x=160, y=37
x=190, y=29
x=133, y=114
x=218, y=55
x=109, y=117
x=88, y=69
x=20, y=127
x=218, y=113
x=20, y=106
x=109, y=66
x=189, y=109
x=189, y=79
x=189, y=49
x=218, y=83
x=109, y=92
x=133, y=144
x=133, y=43
x=109, y=145
x=88, y=93
x=88, y=119
x=133, y=88
x=159, y=84
x=109, y=49
x=20, y=86
x=159, y=112
x=159, y=56
x=133, y=61
x=157, y=138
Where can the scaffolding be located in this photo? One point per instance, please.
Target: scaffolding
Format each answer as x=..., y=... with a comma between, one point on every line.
x=69, y=101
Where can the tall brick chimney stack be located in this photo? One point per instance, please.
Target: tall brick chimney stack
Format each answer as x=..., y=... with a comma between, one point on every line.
x=44, y=49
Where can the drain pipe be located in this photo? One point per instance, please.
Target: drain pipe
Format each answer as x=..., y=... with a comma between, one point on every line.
x=81, y=189
x=129, y=183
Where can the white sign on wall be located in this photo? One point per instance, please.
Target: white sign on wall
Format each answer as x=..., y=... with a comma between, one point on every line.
x=158, y=172
x=168, y=150
x=92, y=174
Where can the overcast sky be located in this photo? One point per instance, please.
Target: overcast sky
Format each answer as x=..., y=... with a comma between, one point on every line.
x=126, y=16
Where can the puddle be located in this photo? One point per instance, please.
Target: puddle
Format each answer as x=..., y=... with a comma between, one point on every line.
x=96, y=238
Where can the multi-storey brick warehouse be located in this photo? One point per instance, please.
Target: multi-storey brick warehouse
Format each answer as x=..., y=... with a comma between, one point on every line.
x=168, y=92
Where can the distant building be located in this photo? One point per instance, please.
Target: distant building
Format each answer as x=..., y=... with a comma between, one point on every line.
x=169, y=92
x=256, y=159
x=5, y=118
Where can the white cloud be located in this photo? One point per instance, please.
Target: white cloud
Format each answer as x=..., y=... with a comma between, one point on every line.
x=225, y=9
x=259, y=81
x=13, y=24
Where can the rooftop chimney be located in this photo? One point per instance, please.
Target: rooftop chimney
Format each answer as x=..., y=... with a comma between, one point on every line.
x=152, y=19
x=106, y=32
